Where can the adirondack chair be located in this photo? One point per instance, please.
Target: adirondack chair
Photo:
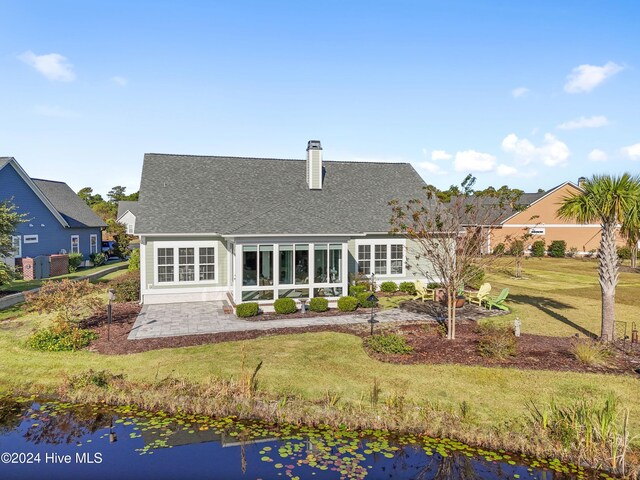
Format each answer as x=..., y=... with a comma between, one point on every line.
x=424, y=293
x=498, y=301
x=479, y=296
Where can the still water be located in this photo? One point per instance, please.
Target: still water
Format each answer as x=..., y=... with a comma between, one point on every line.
x=54, y=440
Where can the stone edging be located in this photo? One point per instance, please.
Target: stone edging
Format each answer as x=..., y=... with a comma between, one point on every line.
x=11, y=300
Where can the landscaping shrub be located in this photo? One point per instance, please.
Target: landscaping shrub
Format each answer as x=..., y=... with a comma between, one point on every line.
x=573, y=251
x=134, y=260
x=516, y=248
x=318, y=304
x=388, y=343
x=590, y=352
x=247, y=309
x=61, y=337
x=434, y=285
x=98, y=259
x=99, y=378
x=75, y=259
x=408, y=287
x=347, y=304
x=127, y=287
x=362, y=300
x=624, y=253
x=473, y=275
x=355, y=290
x=496, y=341
x=499, y=249
x=285, y=306
x=557, y=248
x=388, y=287
x=538, y=248
x=69, y=301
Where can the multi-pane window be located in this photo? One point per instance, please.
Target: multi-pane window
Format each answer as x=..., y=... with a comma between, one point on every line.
x=75, y=244
x=93, y=245
x=186, y=264
x=165, y=265
x=207, y=263
x=396, y=259
x=364, y=259
x=130, y=228
x=380, y=259
x=17, y=246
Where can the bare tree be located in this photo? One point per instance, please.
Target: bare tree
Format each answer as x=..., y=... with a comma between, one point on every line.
x=451, y=236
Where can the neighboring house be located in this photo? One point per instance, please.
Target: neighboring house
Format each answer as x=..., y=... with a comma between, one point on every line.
x=57, y=220
x=127, y=212
x=258, y=229
x=540, y=219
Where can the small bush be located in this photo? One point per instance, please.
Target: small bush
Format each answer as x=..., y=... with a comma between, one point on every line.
x=388, y=343
x=573, y=251
x=247, y=309
x=591, y=352
x=75, y=259
x=557, y=248
x=347, y=304
x=499, y=249
x=61, y=337
x=134, y=260
x=98, y=259
x=362, y=300
x=538, y=248
x=285, y=306
x=624, y=253
x=127, y=287
x=496, y=341
x=408, y=287
x=69, y=301
x=388, y=287
x=355, y=290
x=434, y=285
x=473, y=275
x=100, y=379
x=318, y=304
x=516, y=248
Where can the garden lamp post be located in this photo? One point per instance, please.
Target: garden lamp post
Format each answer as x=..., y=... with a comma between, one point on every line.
x=111, y=295
x=373, y=300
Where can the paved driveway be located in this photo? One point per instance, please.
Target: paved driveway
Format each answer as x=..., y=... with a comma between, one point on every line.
x=176, y=319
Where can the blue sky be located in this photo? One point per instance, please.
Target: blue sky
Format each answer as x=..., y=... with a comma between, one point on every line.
x=528, y=94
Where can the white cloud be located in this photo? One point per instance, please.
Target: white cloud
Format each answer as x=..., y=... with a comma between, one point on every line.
x=552, y=152
x=472, y=161
x=55, y=112
x=597, y=155
x=53, y=65
x=438, y=155
x=432, y=168
x=506, y=170
x=585, y=122
x=120, y=81
x=632, y=152
x=585, y=78
x=519, y=92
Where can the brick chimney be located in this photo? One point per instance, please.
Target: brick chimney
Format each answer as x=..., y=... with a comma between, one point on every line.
x=581, y=181
x=314, y=165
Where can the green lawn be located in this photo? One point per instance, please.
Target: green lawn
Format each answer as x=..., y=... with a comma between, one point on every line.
x=23, y=285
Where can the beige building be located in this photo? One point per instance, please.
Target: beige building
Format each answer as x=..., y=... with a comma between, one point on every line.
x=540, y=219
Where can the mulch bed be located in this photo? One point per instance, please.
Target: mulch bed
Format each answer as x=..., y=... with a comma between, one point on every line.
x=535, y=352
x=5, y=293
x=332, y=312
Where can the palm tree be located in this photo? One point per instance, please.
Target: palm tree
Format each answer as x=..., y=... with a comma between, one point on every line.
x=631, y=232
x=607, y=200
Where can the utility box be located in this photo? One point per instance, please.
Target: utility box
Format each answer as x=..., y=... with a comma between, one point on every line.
x=41, y=267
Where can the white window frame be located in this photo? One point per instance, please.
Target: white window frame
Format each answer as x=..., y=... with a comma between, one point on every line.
x=130, y=228
x=387, y=243
x=30, y=239
x=17, y=252
x=78, y=245
x=196, y=245
x=93, y=248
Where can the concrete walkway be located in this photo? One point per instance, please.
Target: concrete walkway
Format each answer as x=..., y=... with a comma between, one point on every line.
x=176, y=319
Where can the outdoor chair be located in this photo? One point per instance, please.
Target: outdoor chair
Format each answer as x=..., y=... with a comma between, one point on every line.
x=498, y=301
x=479, y=296
x=424, y=293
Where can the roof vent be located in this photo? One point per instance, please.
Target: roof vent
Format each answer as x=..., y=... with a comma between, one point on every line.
x=314, y=165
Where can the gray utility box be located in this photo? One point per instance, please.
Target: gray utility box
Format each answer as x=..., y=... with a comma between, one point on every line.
x=41, y=267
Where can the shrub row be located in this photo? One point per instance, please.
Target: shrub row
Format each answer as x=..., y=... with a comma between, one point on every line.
x=127, y=287
x=557, y=249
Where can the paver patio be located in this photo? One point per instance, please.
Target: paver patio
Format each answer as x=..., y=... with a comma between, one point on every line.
x=177, y=319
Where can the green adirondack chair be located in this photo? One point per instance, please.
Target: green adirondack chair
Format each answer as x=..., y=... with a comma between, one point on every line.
x=498, y=301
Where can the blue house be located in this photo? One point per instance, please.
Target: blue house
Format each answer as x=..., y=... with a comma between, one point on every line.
x=57, y=220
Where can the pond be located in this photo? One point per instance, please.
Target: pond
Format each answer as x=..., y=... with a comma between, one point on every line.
x=56, y=440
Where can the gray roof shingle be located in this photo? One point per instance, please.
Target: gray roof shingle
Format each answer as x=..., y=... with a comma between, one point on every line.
x=72, y=208
x=127, y=205
x=253, y=196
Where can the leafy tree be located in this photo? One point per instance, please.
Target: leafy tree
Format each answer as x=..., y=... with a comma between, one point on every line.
x=133, y=197
x=9, y=220
x=608, y=200
x=631, y=232
x=87, y=195
x=117, y=194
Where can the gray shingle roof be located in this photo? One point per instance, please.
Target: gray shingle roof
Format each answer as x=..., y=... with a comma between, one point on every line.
x=72, y=208
x=127, y=205
x=232, y=195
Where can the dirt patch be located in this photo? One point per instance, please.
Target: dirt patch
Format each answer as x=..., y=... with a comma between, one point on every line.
x=536, y=352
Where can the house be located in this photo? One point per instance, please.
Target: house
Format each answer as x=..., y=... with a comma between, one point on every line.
x=541, y=221
x=57, y=220
x=258, y=229
x=127, y=212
